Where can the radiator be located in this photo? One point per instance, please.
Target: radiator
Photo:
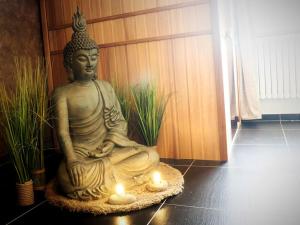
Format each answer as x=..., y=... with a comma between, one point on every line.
x=278, y=66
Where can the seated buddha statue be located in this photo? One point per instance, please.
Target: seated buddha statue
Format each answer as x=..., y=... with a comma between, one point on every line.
x=91, y=129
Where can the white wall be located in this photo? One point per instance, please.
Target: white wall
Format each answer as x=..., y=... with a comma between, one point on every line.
x=275, y=26
x=274, y=17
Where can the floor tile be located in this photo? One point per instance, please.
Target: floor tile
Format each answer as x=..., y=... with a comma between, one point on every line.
x=183, y=162
x=201, y=187
x=52, y=163
x=259, y=216
x=239, y=189
x=182, y=169
x=8, y=208
x=183, y=215
x=291, y=125
x=260, y=157
x=253, y=136
x=208, y=163
x=295, y=150
x=178, y=215
x=264, y=125
x=293, y=137
x=51, y=215
x=233, y=132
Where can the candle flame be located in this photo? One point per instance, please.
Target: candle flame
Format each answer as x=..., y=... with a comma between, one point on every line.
x=120, y=189
x=156, y=177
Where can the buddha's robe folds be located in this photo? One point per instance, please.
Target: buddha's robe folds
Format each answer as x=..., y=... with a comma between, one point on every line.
x=128, y=163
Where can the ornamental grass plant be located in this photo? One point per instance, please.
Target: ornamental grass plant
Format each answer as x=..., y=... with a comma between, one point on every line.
x=123, y=95
x=149, y=108
x=39, y=103
x=24, y=115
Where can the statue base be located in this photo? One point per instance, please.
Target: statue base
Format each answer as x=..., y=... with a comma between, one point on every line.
x=144, y=198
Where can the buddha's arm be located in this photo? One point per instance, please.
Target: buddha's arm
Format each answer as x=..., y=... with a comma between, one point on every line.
x=62, y=125
x=74, y=167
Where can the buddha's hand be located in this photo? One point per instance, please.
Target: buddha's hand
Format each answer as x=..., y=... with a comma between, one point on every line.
x=76, y=172
x=102, y=151
x=107, y=147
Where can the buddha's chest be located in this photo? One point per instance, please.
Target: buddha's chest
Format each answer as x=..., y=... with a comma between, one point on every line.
x=83, y=103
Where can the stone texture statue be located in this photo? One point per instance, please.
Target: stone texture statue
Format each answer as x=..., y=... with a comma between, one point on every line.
x=91, y=129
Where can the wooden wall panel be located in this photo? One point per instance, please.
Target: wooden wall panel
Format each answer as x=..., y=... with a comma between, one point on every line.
x=122, y=68
x=104, y=64
x=168, y=22
x=169, y=41
x=196, y=89
x=168, y=141
x=59, y=74
x=60, y=12
x=182, y=100
x=199, y=55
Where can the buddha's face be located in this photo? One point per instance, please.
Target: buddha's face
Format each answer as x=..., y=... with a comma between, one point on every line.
x=84, y=64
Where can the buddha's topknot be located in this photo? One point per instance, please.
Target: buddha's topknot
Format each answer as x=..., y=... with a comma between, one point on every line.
x=80, y=39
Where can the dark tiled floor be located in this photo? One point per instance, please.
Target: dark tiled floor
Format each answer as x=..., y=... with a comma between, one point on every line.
x=176, y=162
x=259, y=185
x=8, y=208
x=292, y=137
x=260, y=137
x=291, y=125
x=266, y=125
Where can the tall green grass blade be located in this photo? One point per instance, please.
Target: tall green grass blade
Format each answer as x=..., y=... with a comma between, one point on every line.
x=149, y=108
x=23, y=116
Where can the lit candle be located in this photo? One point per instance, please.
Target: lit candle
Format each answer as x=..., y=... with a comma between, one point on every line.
x=157, y=184
x=156, y=178
x=121, y=197
x=120, y=190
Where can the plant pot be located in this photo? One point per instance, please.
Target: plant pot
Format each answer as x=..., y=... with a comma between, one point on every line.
x=39, y=179
x=25, y=195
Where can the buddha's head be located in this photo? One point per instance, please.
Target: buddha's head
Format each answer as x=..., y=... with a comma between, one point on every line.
x=81, y=53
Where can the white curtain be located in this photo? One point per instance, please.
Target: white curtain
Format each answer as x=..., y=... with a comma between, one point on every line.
x=248, y=96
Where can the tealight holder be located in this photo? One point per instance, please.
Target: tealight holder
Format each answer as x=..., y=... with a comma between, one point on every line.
x=121, y=197
x=157, y=184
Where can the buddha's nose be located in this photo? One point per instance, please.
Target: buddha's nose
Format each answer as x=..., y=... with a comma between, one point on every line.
x=89, y=62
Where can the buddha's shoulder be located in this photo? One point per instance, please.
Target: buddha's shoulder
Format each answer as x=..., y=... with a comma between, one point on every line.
x=105, y=84
x=62, y=91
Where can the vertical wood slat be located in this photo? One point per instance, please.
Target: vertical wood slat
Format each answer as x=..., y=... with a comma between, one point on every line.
x=194, y=83
x=186, y=67
x=182, y=100
x=46, y=44
x=158, y=59
x=60, y=76
x=171, y=121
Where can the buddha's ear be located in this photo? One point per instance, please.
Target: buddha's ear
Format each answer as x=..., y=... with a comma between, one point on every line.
x=70, y=74
x=95, y=76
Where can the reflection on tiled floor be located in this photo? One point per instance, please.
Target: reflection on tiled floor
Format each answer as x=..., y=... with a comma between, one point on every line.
x=259, y=185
